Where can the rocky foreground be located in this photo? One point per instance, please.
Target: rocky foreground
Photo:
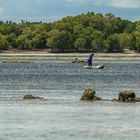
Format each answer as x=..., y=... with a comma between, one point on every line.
x=89, y=95
x=124, y=96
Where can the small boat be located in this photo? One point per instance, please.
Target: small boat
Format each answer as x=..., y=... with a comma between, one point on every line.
x=95, y=66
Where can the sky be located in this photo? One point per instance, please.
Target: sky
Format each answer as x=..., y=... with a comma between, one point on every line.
x=53, y=10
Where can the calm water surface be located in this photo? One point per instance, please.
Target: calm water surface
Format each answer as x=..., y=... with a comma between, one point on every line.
x=61, y=115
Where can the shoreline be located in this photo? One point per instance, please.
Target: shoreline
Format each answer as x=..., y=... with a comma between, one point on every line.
x=44, y=53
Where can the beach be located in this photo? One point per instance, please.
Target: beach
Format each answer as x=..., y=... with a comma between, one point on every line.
x=45, y=52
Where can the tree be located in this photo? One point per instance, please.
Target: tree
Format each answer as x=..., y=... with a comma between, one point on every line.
x=113, y=44
x=11, y=38
x=88, y=31
x=125, y=40
x=7, y=28
x=3, y=42
x=109, y=16
x=79, y=44
x=23, y=42
x=97, y=41
x=65, y=24
x=78, y=31
x=137, y=45
x=136, y=35
x=39, y=41
x=59, y=40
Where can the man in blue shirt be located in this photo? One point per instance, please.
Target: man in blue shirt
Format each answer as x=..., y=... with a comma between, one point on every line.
x=90, y=59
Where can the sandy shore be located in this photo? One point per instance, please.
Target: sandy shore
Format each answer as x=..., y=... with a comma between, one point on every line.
x=45, y=53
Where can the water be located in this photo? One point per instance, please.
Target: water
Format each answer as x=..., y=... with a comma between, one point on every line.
x=61, y=115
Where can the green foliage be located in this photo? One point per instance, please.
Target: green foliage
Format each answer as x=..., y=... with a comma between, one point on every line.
x=97, y=42
x=125, y=41
x=3, y=42
x=32, y=37
x=11, y=38
x=136, y=35
x=23, y=42
x=79, y=44
x=117, y=42
x=59, y=40
x=7, y=28
x=86, y=32
x=113, y=44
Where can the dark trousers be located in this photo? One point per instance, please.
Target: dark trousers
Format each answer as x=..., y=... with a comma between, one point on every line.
x=90, y=62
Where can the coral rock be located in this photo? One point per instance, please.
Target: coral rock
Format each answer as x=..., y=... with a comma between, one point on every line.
x=126, y=96
x=29, y=96
x=89, y=95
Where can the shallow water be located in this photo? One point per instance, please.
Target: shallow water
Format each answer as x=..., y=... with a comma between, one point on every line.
x=61, y=115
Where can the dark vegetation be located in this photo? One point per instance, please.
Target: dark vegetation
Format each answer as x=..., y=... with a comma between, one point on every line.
x=82, y=33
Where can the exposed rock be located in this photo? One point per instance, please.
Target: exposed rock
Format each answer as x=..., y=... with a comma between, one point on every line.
x=78, y=61
x=89, y=95
x=136, y=99
x=126, y=96
x=96, y=98
x=29, y=96
x=127, y=51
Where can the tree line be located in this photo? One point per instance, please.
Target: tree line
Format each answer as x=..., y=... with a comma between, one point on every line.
x=82, y=33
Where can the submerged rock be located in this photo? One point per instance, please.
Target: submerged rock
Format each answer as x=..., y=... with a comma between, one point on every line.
x=29, y=97
x=13, y=62
x=89, y=95
x=114, y=100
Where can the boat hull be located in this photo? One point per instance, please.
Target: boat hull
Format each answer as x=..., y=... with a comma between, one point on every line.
x=97, y=66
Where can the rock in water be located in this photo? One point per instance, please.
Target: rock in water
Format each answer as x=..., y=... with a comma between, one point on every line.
x=126, y=96
x=96, y=98
x=29, y=97
x=78, y=61
x=89, y=95
x=136, y=99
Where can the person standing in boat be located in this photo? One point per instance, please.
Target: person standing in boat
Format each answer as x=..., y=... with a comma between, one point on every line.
x=90, y=59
